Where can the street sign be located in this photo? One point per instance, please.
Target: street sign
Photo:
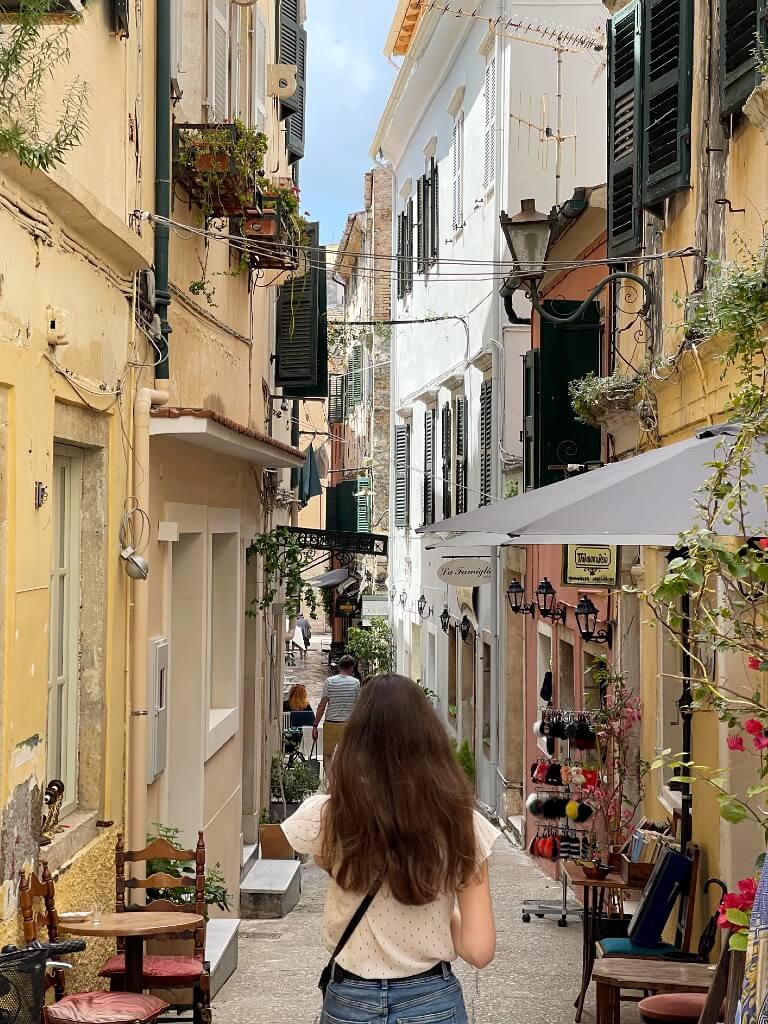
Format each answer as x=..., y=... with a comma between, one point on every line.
x=591, y=565
x=465, y=572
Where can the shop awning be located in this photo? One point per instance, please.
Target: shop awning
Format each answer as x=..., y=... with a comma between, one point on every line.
x=647, y=499
x=330, y=579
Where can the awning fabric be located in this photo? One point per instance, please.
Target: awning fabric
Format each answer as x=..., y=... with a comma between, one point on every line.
x=647, y=499
x=331, y=579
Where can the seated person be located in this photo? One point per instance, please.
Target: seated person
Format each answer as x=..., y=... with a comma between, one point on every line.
x=299, y=707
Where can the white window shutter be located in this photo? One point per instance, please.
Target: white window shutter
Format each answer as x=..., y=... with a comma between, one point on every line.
x=177, y=37
x=458, y=171
x=259, y=65
x=490, y=123
x=218, y=60
x=235, y=104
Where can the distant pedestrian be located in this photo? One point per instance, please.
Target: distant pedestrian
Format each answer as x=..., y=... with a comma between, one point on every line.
x=298, y=641
x=407, y=856
x=306, y=629
x=338, y=698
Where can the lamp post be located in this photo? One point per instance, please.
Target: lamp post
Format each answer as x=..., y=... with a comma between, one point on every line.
x=546, y=600
x=528, y=236
x=515, y=595
x=445, y=619
x=586, y=620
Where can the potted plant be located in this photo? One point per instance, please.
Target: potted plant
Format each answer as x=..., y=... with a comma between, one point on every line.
x=219, y=165
x=290, y=787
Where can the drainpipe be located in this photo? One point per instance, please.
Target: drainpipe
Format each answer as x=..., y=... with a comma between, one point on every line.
x=136, y=811
x=162, y=178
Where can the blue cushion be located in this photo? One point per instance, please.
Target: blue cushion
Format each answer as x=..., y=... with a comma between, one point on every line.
x=626, y=947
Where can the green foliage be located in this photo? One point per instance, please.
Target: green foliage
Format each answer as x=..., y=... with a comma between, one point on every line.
x=283, y=562
x=298, y=781
x=32, y=53
x=512, y=489
x=724, y=579
x=372, y=645
x=466, y=759
x=594, y=397
x=216, y=892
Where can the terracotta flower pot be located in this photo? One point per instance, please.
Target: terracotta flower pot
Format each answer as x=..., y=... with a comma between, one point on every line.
x=262, y=224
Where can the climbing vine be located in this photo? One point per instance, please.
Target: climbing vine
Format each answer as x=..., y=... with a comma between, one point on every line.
x=32, y=52
x=283, y=565
x=712, y=599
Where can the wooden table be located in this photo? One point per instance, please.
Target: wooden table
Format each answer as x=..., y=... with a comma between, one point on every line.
x=134, y=927
x=612, y=974
x=594, y=901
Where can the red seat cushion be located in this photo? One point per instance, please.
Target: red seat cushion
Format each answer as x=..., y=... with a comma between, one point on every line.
x=673, y=1007
x=105, y=1008
x=170, y=970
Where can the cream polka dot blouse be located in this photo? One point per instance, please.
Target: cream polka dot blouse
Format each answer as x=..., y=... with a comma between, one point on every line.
x=393, y=940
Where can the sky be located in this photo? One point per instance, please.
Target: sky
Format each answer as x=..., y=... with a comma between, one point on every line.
x=348, y=82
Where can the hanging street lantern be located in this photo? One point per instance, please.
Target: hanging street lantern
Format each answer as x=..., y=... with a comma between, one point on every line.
x=546, y=600
x=586, y=620
x=421, y=605
x=467, y=631
x=403, y=598
x=445, y=619
x=515, y=595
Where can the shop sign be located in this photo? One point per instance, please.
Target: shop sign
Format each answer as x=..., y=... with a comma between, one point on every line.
x=465, y=572
x=590, y=565
x=347, y=607
x=375, y=607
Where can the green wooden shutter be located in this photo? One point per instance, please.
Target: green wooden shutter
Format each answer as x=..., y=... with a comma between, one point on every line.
x=447, y=459
x=434, y=213
x=296, y=123
x=331, y=509
x=301, y=366
x=355, y=387
x=337, y=395
x=346, y=506
x=429, y=467
x=363, y=504
x=486, y=441
x=288, y=50
x=531, y=419
x=460, y=501
x=739, y=21
x=667, y=89
x=402, y=473
x=567, y=352
x=420, y=221
x=624, y=132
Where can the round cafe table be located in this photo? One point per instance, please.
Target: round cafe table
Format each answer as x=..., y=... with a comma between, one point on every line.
x=134, y=927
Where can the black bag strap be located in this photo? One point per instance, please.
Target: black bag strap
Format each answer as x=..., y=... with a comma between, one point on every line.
x=313, y=751
x=347, y=934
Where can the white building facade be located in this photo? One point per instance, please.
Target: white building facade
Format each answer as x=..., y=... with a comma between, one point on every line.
x=479, y=118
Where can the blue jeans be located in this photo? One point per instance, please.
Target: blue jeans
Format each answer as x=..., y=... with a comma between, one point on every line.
x=433, y=1000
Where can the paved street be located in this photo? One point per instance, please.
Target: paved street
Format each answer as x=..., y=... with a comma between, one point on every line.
x=532, y=981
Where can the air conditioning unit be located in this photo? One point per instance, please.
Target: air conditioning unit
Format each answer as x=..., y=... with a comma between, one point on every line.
x=281, y=80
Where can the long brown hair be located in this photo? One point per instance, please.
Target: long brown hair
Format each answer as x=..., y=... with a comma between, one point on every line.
x=400, y=808
x=297, y=697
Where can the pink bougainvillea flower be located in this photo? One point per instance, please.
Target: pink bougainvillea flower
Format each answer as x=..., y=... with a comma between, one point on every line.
x=760, y=742
x=753, y=727
x=762, y=543
x=735, y=743
x=741, y=900
x=748, y=889
x=755, y=663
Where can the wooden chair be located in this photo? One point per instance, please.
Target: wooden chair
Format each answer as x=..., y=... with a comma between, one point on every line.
x=624, y=946
x=718, y=1004
x=166, y=971
x=81, y=1007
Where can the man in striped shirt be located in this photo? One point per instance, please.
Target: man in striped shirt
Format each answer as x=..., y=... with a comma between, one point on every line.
x=339, y=696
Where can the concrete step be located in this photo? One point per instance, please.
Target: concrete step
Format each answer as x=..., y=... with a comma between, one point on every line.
x=221, y=949
x=249, y=857
x=271, y=889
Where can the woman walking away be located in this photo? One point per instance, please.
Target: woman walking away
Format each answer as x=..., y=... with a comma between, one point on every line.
x=407, y=857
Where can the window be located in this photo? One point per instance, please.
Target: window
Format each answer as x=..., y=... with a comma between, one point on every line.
x=363, y=504
x=236, y=108
x=553, y=437
x=427, y=218
x=486, y=441
x=337, y=397
x=649, y=99
x=447, y=447
x=740, y=20
x=223, y=654
x=460, y=494
x=64, y=629
x=405, y=250
x=458, y=172
x=566, y=695
x=433, y=250
x=301, y=366
x=259, y=72
x=218, y=60
x=429, y=467
x=402, y=474
x=489, y=169
x=355, y=391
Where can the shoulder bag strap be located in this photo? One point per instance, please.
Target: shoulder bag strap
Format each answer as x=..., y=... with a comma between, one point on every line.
x=347, y=934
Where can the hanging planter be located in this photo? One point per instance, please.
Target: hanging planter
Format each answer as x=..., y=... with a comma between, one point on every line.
x=218, y=166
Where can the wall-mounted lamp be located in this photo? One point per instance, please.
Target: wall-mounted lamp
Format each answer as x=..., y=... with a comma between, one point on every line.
x=546, y=596
x=403, y=598
x=421, y=605
x=586, y=620
x=515, y=595
x=445, y=619
x=467, y=631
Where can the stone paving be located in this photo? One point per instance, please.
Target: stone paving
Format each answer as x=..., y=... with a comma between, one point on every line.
x=533, y=980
